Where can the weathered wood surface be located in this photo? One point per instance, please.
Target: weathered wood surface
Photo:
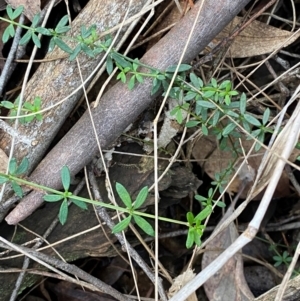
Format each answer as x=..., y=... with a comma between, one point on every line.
x=119, y=106
x=54, y=81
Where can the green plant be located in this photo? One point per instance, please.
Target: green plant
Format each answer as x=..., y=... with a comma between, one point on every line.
x=214, y=107
x=283, y=258
x=132, y=207
x=63, y=211
x=15, y=170
x=194, y=224
x=27, y=108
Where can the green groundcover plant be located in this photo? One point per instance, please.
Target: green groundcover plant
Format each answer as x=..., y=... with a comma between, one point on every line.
x=207, y=105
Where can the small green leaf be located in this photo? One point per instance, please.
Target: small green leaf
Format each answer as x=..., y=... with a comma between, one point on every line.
x=44, y=31
x=221, y=204
x=206, y=104
x=144, y=225
x=63, y=29
x=7, y=104
x=204, y=213
x=80, y=204
x=63, y=46
x=156, y=84
x=11, y=30
x=204, y=129
x=141, y=198
x=216, y=118
x=75, y=52
x=228, y=129
x=122, y=225
x=182, y=68
x=18, y=12
x=87, y=50
x=131, y=82
x=12, y=166
x=266, y=116
x=10, y=12
x=65, y=177
x=209, y=93
x=17, y=189
x=36, y=40
x=35, y=20
x=109, y=65
x=3, y=180
x=214, y=83
x=51, y=45
x=121, y=76
x=6, y=35
x=192, y=123
x=179, y=117
x=120, y=60
x=251, y=119
x=189, y=95
x=26, y=38
x=53, y=197
x=160, y=77
x=23, y=166
x=63, y=212
x=139, y=78
x=190, y=218
x=124, y=195
x=190, y=238
x=63, y=21
x=197, y=238
x=227, y=100
x=196, y=81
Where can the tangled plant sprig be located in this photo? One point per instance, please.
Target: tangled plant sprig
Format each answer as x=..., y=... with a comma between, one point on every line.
x=194, y=224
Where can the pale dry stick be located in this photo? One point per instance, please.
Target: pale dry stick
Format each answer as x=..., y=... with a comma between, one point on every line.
x=47, y=261
x=26, y=77
x=288, y=275
x=155, y=122
x=249, y=234
x=125, y=53
x=122, y=239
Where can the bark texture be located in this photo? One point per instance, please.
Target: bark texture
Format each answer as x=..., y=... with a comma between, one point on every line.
x=119, y=106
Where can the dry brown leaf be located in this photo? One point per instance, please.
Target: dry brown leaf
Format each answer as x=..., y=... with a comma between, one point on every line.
x=256, y=39
x=3, y=161
x=229, y=282
x=213, y=161
x=31, y=7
